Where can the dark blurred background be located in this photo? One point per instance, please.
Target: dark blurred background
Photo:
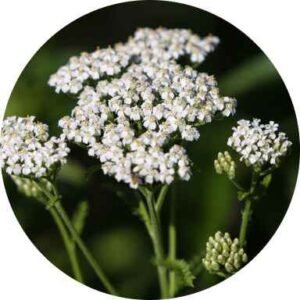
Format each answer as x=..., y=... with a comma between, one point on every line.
x=207, y=202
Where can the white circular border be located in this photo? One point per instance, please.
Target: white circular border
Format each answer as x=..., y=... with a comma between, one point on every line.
x=26, y=26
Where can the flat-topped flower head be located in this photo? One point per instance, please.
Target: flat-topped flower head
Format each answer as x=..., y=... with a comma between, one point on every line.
x=224, y=256
x=27, y=150
x=259, y=144
x=137, y=105
x=136, y=124
x=146, y=45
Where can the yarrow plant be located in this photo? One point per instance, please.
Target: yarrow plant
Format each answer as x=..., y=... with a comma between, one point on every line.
x=138, y=107
x=32, y=158
x=262, y=148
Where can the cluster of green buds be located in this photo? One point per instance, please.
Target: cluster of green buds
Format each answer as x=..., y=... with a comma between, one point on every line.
x=224, y=256
x=225, y=164
x=32, y=189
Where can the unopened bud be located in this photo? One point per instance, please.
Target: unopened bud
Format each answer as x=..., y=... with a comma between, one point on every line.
x=224, y=255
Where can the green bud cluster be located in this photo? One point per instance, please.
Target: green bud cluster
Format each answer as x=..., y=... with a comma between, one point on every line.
x=30, y=188
x=224, y=255
x=225, y=164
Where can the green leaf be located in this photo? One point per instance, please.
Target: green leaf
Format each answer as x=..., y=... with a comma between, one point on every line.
x=184, y=275
x=196, y=264
x=262, y=187
x=265, y=182
x=142, y=213
x=79, y=216
x=242, y=195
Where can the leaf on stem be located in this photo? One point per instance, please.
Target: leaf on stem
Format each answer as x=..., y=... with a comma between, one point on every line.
x=265, y=182
x=182, y=269
x=142, y=213
x=263, y=186
x=79, y=216
x=242, y=195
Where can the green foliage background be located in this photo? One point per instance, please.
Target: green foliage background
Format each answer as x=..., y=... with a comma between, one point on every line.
x=205, y=204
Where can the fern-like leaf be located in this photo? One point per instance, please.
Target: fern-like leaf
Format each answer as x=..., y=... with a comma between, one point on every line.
x=184, y=276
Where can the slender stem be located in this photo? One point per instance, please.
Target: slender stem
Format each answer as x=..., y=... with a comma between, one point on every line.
x=236, y=184
x=89, y=257
x=268, y=171
x=161, y=197
x=68, y=242
x=172, y=242
x=246, y=213
x=156, y=238
x=71, y=250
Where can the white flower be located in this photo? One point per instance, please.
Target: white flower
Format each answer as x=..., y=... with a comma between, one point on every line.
x=259, y=144
x=26, y=149
x=146, y=45
x=136, y=140
x=142, y=104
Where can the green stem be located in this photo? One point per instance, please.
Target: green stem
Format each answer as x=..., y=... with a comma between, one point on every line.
x=246, y=214
x=172, y=242
x=161, y=197
x=247, y=211
x=236, y=184
x=70, y=249
x=89, y=257
x=68, y=242
x=156, y=238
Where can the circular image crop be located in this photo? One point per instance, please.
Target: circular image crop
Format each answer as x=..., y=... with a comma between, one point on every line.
x=149, y=150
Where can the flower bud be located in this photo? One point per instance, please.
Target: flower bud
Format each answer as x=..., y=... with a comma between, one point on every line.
x=27, y=187
x=224, y=255
x=225, y=164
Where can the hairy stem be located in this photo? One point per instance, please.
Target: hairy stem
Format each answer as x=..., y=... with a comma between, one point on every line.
x=156, y=237
x=89, y=257
x=246, y=214
x=56, y=206
x=247, y=210
x=67, y=240
x=70, y=249
x=172, y=242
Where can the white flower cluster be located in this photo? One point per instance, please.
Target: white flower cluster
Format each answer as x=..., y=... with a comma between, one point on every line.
x=26, y=149
x=133, y=123
x=259, y=144
x=146, y=45
x=141, y=104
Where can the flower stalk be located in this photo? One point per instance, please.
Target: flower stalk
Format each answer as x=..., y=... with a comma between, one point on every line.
x=46, y=198
x=85, y=251
x=172, y=242
x=246, y=214
x=69, y=245
x=49, y=196
x=156, y=238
